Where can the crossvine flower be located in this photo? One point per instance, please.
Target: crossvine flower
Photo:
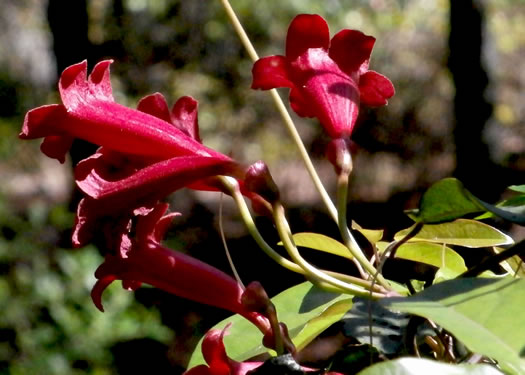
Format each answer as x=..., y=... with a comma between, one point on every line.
x=141, y=258
x=219, y=363
x=328, y=78
x=89, y=112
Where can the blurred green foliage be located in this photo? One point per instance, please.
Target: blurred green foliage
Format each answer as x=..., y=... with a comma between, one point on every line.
x=48, y=324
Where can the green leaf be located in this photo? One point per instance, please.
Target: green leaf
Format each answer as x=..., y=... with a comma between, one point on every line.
x=388, y=327
x=485, y=314
x=418, y=366
x=321, y=242
x=306, y=310
x=446, y=200
x=507, y=211
x=318, y=324
x=372, y=235
x=518, y=188
x=450, y=263
x=462, y=232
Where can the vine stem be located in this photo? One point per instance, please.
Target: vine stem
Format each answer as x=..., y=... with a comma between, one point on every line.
x=286, y=237
x=290, y=126
x=348, y=238
x=232, y=187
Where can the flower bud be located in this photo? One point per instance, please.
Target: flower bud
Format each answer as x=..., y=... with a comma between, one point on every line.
x=255, y=299
x=259, y=180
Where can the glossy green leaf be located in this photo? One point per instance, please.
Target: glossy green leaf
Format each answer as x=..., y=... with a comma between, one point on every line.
x=450, y=263
x=418, y=366
x=318, y=324
x=372, y=235
x=303, y=307
x=462, y=232
x=321, y=242
x=485, y=314
x=518, y=188
x=446, y=200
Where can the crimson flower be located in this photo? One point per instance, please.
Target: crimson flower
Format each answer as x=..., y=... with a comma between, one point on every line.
x=89, y=112
x=328, y=78
x=142, y=259
x=218, y=362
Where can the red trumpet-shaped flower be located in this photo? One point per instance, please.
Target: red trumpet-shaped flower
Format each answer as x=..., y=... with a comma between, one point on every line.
x=89, y=112
x=218, y=362
x=142, y=259
x=328, y=78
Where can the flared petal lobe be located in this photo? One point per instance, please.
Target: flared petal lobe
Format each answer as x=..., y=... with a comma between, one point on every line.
x=375, y=89
x=351, y=50
x=76, y=89
x=218, y=362
x=306, y=31
x=271, y=72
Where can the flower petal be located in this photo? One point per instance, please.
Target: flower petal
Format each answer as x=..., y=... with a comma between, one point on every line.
x=99, y=82
x=214, y=352
x=98, y=289
x=375, y=89
x=184, y=116
x=155, y=224
x=299, y=104
x=94, y=177
x=271, y=72
x=155, y=105
x=306, y=31
x=351, y=50
x=56, y=147
x=76, y=90
x=41, y=122
x=328, y=92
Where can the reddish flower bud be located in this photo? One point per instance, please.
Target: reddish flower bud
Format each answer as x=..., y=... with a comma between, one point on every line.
x=259, y=180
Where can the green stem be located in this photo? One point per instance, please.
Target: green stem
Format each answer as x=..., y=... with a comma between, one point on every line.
x=290, y=126
x=232, y=187
x=362, y=261
x=316, y=274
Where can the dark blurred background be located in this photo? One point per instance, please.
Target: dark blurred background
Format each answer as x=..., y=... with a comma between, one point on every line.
x=459, y=71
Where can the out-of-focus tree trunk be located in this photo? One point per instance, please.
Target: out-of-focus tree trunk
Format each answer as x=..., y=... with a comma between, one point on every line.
x=68, y=22
x=472, y=110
